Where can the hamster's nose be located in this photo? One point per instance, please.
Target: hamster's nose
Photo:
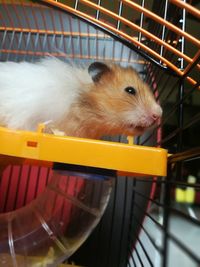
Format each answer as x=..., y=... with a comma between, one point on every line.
x=156, y=113
x=155, y=116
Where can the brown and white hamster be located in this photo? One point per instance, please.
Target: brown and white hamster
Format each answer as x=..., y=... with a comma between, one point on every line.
x=103, y=99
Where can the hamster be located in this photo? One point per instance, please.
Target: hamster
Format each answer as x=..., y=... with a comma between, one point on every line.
x=102, y=99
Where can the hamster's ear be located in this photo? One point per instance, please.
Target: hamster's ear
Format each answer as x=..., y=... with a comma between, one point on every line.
x=97, y=69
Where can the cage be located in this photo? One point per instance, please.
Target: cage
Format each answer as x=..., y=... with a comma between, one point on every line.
x=152, y=217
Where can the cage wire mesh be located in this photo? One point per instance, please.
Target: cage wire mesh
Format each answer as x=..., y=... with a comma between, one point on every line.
x=149, y=221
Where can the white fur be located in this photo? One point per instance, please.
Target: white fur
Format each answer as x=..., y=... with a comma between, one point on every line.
x=38, y=92
x=142, y=115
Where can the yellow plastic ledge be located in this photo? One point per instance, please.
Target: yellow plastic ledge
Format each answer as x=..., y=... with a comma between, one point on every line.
x=94, y=153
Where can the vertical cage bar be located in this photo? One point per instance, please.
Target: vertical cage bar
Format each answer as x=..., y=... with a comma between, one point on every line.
x=98, y=12
x=6, y=194
x=37, y=42
x=119, y=13
x=132, y=259
x=54, y=39
x=80, y=39
x=129, y=243
x=31, y=39
x=111, y=234
x=123, y=220
x=141, y=21
x=17, y=187
x=166, y=217
x=164, y=28
x=88, y=41
x=181, y=98
x=62, y=38
x=21, y=34
x=76, y=4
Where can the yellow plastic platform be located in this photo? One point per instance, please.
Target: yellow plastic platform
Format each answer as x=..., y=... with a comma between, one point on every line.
x=124, y=158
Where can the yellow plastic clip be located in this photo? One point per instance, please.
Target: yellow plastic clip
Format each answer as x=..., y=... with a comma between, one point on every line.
x=41, y=127
x=130, y=140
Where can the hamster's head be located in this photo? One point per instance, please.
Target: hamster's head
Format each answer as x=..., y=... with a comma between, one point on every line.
x=122, y=102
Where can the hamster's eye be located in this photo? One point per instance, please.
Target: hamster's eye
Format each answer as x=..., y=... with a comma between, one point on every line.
x=130, y=90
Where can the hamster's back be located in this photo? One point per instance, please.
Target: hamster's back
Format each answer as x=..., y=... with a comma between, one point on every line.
x=37, y=91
